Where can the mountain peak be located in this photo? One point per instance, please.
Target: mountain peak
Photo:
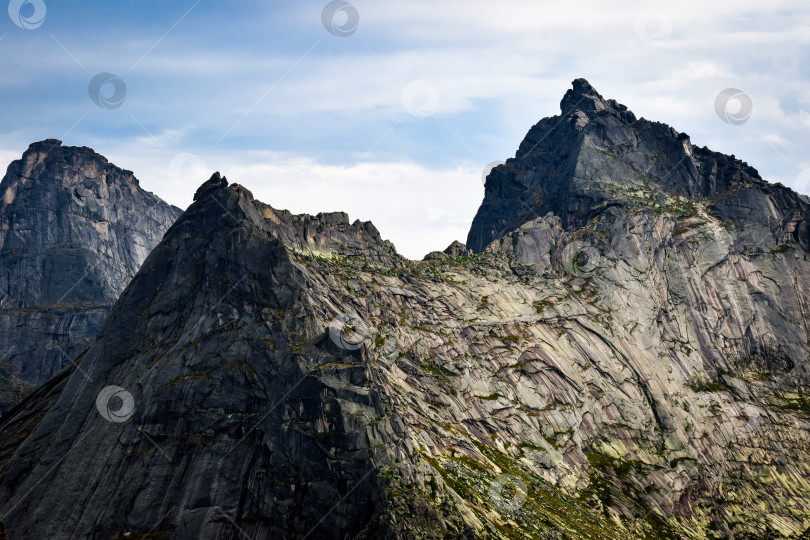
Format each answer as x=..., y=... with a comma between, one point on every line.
x=45, y=143
x=597, y=155
x=582, y=96
x=217, y=181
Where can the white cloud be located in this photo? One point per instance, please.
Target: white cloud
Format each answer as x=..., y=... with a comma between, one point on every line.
x=802, y=181
x=697, y=70
x=418, y=208
x=6, y=157
x=774, y=138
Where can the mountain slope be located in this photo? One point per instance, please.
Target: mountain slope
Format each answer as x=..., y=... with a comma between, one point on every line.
x=75, y=229
x=637, y=370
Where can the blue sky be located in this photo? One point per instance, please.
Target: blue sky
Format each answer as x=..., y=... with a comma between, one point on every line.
x=394, y=122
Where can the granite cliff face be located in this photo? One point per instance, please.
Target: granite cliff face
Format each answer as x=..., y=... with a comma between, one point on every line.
x=74, y=229
x=624, y=354
x=570, y=164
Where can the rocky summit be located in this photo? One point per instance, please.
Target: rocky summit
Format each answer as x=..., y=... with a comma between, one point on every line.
x=74, y=229
x=619, y=352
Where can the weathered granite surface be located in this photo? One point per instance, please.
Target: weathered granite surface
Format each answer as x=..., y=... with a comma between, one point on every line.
x=74, y=229
x=625, y=362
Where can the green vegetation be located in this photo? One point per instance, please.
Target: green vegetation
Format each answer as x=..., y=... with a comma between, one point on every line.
x=701, y=383
x=681, y=207
x=689, y=227
x=793, y=401
x=616, y=479
x=541, y=305
x=711, y=386
x=674, y=462
x=784, y=248
x=607, y=152
x=437, y=370
x=514, y=503
x=490, y=397
x=552, y=439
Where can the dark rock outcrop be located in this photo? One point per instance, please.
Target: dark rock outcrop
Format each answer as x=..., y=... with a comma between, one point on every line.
x=74, y=229
x=585, y=160
x=216, y=340
x=456, y=249
x=631, y=363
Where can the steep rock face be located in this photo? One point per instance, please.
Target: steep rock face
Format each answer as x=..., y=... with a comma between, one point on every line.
x=74, y=229
x=573, y=164
x=242, y=423
x=639, y=374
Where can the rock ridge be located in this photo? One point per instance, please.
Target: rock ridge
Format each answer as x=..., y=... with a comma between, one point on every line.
x=617, y=360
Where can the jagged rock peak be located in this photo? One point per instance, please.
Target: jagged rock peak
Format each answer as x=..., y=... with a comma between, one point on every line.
x=584, y=97
x=228, y=205
x=40, y=153
x=455, y=249
x=598, y=156
x=47, y=144
x=217, y=181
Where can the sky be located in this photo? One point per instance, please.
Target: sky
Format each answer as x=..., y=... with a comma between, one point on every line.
x=389, y=111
